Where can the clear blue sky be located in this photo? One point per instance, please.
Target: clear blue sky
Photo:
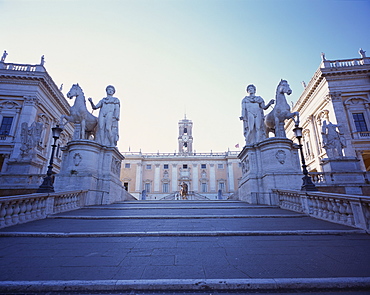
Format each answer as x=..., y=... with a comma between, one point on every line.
x=168, y=57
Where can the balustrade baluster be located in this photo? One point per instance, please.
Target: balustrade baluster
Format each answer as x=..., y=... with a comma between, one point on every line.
x=319, y=209
x=43, y=207
x=9, y=212
x=330, y=209
x=34, y=208
x=336, y=210
x=350, y=219
x=38, y=208
x=28, y=209
x=325, y=212
x=16, y=210
x=2, y=214
x=22, y=216
x=342, y=212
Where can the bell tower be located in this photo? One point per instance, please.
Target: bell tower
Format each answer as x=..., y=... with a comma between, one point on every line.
x=185, y=138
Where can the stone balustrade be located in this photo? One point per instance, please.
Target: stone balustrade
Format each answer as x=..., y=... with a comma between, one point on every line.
x=21, y=67
x=346, y=62
x=349, y=210
x=24, y=208
x=180, y=155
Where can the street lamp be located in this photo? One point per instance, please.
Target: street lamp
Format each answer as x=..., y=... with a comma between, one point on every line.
x=47, y=185
x=307, y=185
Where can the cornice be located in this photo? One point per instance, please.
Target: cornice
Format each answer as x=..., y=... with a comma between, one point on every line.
x=41, y=79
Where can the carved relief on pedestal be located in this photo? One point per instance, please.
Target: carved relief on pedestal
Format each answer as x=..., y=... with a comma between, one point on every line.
x=116, y=166
x=280, y=156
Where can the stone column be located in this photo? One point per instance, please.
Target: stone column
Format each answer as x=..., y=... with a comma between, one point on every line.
x=174, y=178
x=212, y=177
x=195, y=178
x=156, y=177
x=230, y=175
x=139, y=175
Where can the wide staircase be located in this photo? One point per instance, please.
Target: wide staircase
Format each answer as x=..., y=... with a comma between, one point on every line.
x=177, y=247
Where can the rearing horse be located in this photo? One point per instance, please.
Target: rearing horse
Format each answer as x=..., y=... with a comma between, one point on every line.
x=80, y=114
x=274, y=121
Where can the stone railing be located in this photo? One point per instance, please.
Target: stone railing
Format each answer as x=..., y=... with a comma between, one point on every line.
x=349, y=210
x=24, y=208
x=194, y=154
x=21, y=67
x=346, y=62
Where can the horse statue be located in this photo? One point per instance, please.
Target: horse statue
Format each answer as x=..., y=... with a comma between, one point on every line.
x=184, y=191
x=80, y=114
x=274, y=121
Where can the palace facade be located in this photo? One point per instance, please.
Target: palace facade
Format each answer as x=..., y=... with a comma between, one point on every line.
x=339, y=93
x=156, y=176
x=337, y=98
x=30, y=105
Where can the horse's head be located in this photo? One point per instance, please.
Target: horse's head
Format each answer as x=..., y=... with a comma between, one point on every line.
x=284, y=87
x=74, y=91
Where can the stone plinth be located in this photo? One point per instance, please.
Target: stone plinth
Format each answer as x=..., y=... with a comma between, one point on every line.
x=88, y=165
x=270, y=164
x=344, y=172
x=345, y=164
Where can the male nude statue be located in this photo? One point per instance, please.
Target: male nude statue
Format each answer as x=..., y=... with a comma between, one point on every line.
x=107, y=133
x=252, y=116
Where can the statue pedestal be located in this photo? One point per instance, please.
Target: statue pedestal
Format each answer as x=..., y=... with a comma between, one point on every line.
x=345, y=173
x=270, y=164
x=87, y=165
x=345, y=164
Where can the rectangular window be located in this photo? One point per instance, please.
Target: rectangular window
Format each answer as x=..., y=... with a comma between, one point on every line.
x=185, y=166
x=221, y=186
x=148, y=167
x=220, y=166
x=165, y=166
x=203, y=166
x=360, y=122
x=147, y=187
x=6, y=124
x=127, y=165
x=165, y=187
x=204, y=187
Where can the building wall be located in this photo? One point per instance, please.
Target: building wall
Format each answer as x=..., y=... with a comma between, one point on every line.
x=33, y=103
x=336, y=91
x=161, y=174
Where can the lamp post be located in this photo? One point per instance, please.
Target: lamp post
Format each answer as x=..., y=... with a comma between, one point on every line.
x=47, y=185
x=307, y=185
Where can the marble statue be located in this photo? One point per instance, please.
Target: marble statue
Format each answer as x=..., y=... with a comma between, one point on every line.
x=109, y=115
x=42, y=60
x=274, y=121
x=323, y=56
x=30, y=136
x=80, y=115
x=362, y=53
x=252, y=116
x=184, y=191
x=332, y=140
x=4, y=56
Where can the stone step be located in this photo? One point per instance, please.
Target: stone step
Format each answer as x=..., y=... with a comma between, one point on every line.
x=182, y=233
x=183, y=286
